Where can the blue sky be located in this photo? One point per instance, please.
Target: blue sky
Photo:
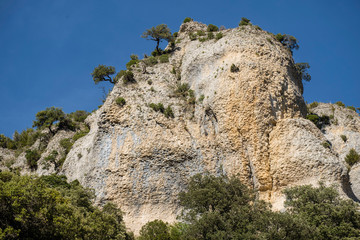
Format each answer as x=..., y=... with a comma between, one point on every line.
x=49, y=48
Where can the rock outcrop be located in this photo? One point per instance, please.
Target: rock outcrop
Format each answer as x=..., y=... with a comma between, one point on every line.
x=248, y=122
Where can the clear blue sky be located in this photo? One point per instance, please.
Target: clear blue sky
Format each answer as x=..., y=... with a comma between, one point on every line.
x=48, y=48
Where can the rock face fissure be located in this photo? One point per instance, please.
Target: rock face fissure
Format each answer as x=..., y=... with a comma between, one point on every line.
x=248, y=123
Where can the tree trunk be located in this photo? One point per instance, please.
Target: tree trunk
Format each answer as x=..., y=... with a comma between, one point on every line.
x=157, y=45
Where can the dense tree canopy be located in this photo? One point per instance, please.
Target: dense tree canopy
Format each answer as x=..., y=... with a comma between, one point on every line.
x=50, y=208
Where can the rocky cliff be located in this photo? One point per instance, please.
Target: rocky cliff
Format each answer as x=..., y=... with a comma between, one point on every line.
x=249, y=122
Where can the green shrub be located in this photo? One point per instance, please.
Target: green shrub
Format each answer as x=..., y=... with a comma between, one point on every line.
x=81, y=133
x=191, y=100
x=32, y=156
x=150, y=82
x=244, y=22
x=201, y=98
x=313, y=105
x=200, y=33
x=351, y=108
x=326, y=144
x=182, y=89
x=210, y=35
x=66, y=144
x=257, y=27
x=234, y=68
x=218, y=36
x=126, y=75
x=155, y=230
x=212, y=28
x=79, y=115
x=187, y=19
x=157, y=107
x=343, y=137
x=120, y=101
x=279, y=37
x=130, y=63
x=340, y=104
x=158, y=52
x=164, y=58
x=192, y=36
x=150, y=61
x=175, y=34
x=6, y=142
x=173, y=71
x=352, y=157
x=49, y=207
x=203, y=39
x=169, y=112
x=314, y=118
x=134, y=57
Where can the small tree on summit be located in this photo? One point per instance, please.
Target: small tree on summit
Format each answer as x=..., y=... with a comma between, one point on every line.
x=157, y=34
x=102, y=73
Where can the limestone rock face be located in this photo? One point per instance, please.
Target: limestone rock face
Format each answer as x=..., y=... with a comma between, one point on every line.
x=248, y=123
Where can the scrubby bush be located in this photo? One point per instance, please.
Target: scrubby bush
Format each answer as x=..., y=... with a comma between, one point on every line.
x=32, y=157
x=340, y=104
x=244, y=21
x=201, y=98
x=79, y=115
x=66, y=144
x=169, y=112
x=200, y=33
x=203, y=39
x=126, y=75
x=81, y=133
x=212, y=28
x=192, y=36
x=131, y=63
x=187, y=19
x=234, y=68
x=175, y=34
x=164, y=58
x=120, y=101
x=352, y=157
x=218, y=36
x=313, y=105
x=182, y=89
x=326, y=144
x=210, y=35
x=351, y=108
x=343, y=137
x=134, y=57
x=150, y=61
x=157, y=107
x=6, y=142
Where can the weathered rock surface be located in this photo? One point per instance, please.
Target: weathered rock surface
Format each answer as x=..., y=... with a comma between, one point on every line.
x=248, y=123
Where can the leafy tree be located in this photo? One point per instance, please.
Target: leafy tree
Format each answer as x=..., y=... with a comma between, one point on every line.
x=288, y=41
x=212, y=28
x=49, y=207
x=79, y=115
x=6, y=142
x=103, y=73
x=155, y=230
x=302, y=69
x=157, y=34
x=322, y=208
x=188, y=19
x=48, y=117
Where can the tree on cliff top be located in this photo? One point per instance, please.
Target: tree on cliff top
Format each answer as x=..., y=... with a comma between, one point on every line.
x=157, y=34
x=102, y=73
